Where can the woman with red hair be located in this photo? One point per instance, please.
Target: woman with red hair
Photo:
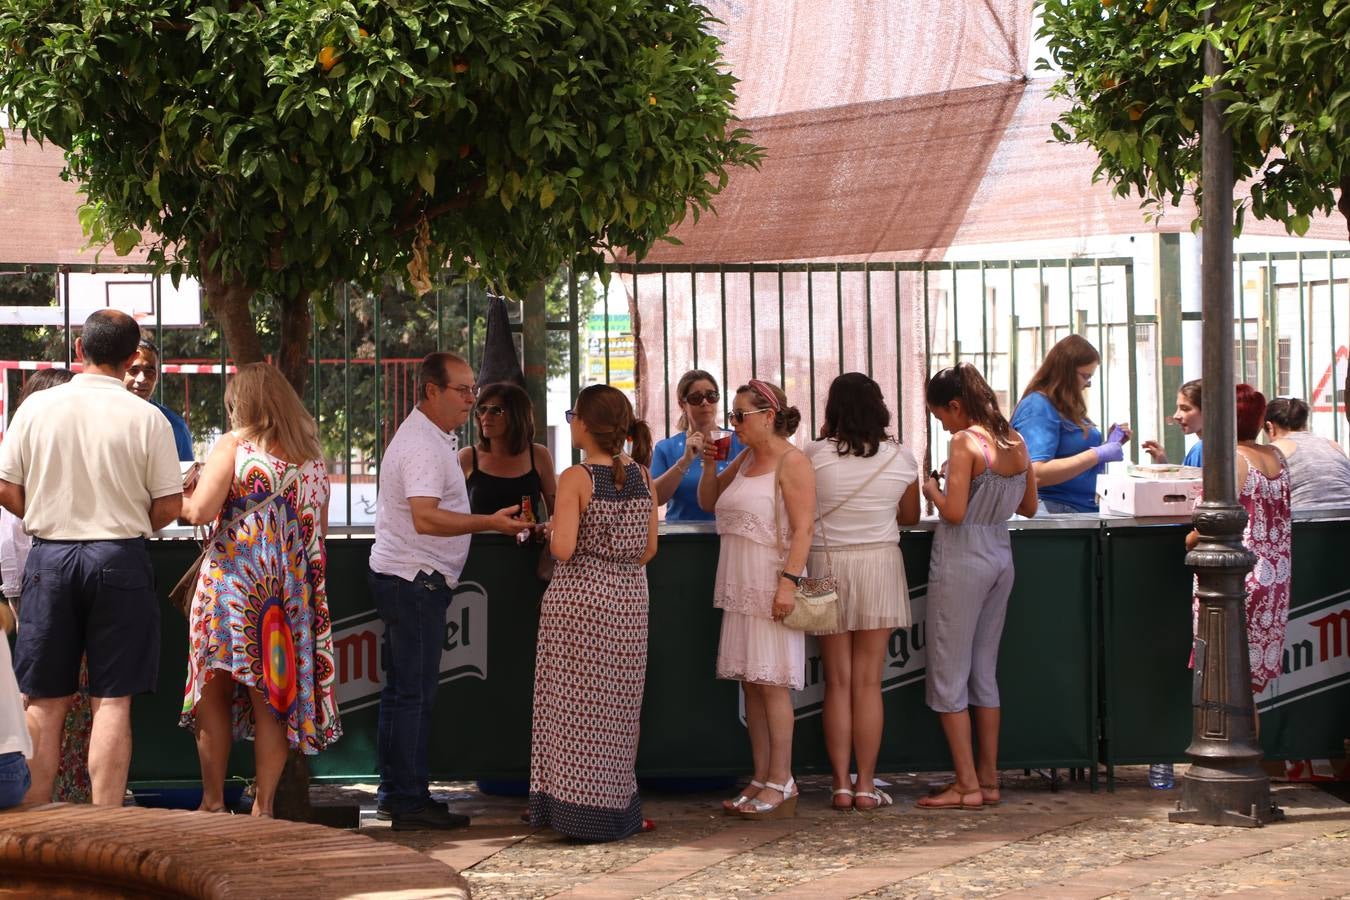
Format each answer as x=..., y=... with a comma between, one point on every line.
x=1263, y=478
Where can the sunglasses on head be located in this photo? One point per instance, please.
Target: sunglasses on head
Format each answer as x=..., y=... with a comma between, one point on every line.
x=698, y=398
x=738, y=415
x=490, y=410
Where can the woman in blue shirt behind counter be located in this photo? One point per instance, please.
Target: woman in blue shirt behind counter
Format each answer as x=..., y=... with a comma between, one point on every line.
x=1066, y=448
x=678, y=460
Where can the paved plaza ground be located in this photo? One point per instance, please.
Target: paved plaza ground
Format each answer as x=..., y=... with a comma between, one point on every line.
x=1038, y=843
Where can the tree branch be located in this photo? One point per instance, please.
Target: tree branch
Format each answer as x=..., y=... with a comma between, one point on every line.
x=472, y=191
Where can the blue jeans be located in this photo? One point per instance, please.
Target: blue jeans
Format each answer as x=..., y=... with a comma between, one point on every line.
x=414, y=636
x=14, y=778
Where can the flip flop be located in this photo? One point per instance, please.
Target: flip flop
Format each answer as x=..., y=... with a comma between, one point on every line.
x=845, y=792
x=934, y=803
x=879, y=797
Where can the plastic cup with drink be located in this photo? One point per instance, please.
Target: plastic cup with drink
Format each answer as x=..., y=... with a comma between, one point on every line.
x=721, y=442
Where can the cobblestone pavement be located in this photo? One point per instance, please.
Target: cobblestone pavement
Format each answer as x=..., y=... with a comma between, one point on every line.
x=1039, y=843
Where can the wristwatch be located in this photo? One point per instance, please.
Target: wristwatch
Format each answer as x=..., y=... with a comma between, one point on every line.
x=795, y=579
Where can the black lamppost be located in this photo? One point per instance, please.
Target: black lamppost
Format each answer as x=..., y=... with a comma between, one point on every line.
x=1226, y=784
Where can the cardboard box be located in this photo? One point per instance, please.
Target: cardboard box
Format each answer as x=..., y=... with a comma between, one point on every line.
x=1127, y=496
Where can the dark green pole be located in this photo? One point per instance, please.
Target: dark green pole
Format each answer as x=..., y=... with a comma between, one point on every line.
x=1225, y=784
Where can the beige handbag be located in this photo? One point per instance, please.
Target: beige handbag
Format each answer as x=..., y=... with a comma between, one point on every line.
x=815, y=600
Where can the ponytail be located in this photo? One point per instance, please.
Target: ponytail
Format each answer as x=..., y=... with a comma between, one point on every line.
x=641, y=436
x=610, y=420
x=963, y=382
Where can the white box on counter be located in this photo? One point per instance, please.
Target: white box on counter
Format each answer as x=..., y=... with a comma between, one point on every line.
x=1130, y=496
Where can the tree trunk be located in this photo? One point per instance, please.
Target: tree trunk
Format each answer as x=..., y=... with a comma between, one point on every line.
x=293, y=354
x=228, y=297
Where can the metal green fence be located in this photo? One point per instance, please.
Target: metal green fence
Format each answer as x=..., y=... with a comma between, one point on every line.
x=801, y=323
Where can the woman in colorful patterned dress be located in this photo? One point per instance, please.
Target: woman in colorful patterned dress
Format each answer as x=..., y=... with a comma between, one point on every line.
x=260, y=666
x=591, y=661
x=1264, y=492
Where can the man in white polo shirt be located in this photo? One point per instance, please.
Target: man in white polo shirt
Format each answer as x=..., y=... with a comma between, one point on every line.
x=92, y=471
x=422, y=533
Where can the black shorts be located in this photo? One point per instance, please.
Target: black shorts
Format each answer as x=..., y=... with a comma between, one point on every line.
x=94, y=599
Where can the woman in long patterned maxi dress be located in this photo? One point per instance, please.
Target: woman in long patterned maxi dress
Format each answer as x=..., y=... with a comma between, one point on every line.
x=260, y=665
x=591, y=660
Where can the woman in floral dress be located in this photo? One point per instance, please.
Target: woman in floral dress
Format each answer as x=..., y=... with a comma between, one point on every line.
x=591, y=662
x=1263, y=491
x=261, y=661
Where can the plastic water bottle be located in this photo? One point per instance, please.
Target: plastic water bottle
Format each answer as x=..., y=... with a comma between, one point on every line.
x=1160, y=776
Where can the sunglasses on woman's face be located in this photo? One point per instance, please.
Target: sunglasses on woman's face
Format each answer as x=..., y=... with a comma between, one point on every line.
x=698, y=398
x=490, y=410
x=738, y=415
x=570, y=415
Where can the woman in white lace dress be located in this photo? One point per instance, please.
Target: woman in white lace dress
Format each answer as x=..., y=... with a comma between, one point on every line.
x=765, y=504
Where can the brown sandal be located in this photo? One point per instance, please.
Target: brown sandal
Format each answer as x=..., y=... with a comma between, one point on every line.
x=985, y=791
x=936, y=802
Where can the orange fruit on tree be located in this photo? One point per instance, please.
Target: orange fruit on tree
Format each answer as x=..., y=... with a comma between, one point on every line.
x=329, y=57
x=1135, y=111
x=461, y=66
x=464, y=150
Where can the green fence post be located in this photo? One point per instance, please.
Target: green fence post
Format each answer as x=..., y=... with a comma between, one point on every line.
x=1167, y=300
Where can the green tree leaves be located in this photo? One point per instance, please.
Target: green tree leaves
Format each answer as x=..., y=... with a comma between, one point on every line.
x=1133, y=71
x=313, y=137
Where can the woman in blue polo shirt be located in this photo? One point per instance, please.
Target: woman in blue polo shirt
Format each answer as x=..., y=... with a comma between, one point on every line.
x=678, y=460
x=1066, y=448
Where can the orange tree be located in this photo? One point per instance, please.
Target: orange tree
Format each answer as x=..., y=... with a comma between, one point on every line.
x=274, y=148
x=1132, y=71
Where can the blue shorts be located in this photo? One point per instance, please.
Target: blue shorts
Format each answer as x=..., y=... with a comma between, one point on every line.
x=93, y=599
x=14, y=777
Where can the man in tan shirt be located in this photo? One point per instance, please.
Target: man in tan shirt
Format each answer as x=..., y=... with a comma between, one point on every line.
x=92, y=470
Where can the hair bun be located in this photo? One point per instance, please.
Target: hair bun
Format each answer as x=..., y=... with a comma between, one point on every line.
x=790, y=418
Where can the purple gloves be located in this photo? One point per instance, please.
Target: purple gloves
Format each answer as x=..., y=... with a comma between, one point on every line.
x=1111, y=451
x=1118, y=435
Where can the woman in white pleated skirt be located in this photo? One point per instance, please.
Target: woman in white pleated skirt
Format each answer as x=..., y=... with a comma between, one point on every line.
x=866, y=486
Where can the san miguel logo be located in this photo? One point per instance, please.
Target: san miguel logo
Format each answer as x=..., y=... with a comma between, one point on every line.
x=358, y=643
x=906, y=660
x=1316, y=652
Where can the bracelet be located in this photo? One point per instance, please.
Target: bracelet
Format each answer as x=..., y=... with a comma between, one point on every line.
x=795, y=579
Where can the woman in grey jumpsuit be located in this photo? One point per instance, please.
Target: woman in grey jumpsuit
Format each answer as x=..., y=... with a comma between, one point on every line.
x=970, y=575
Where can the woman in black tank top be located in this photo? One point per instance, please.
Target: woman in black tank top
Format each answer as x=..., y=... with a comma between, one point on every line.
x=506, y=465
